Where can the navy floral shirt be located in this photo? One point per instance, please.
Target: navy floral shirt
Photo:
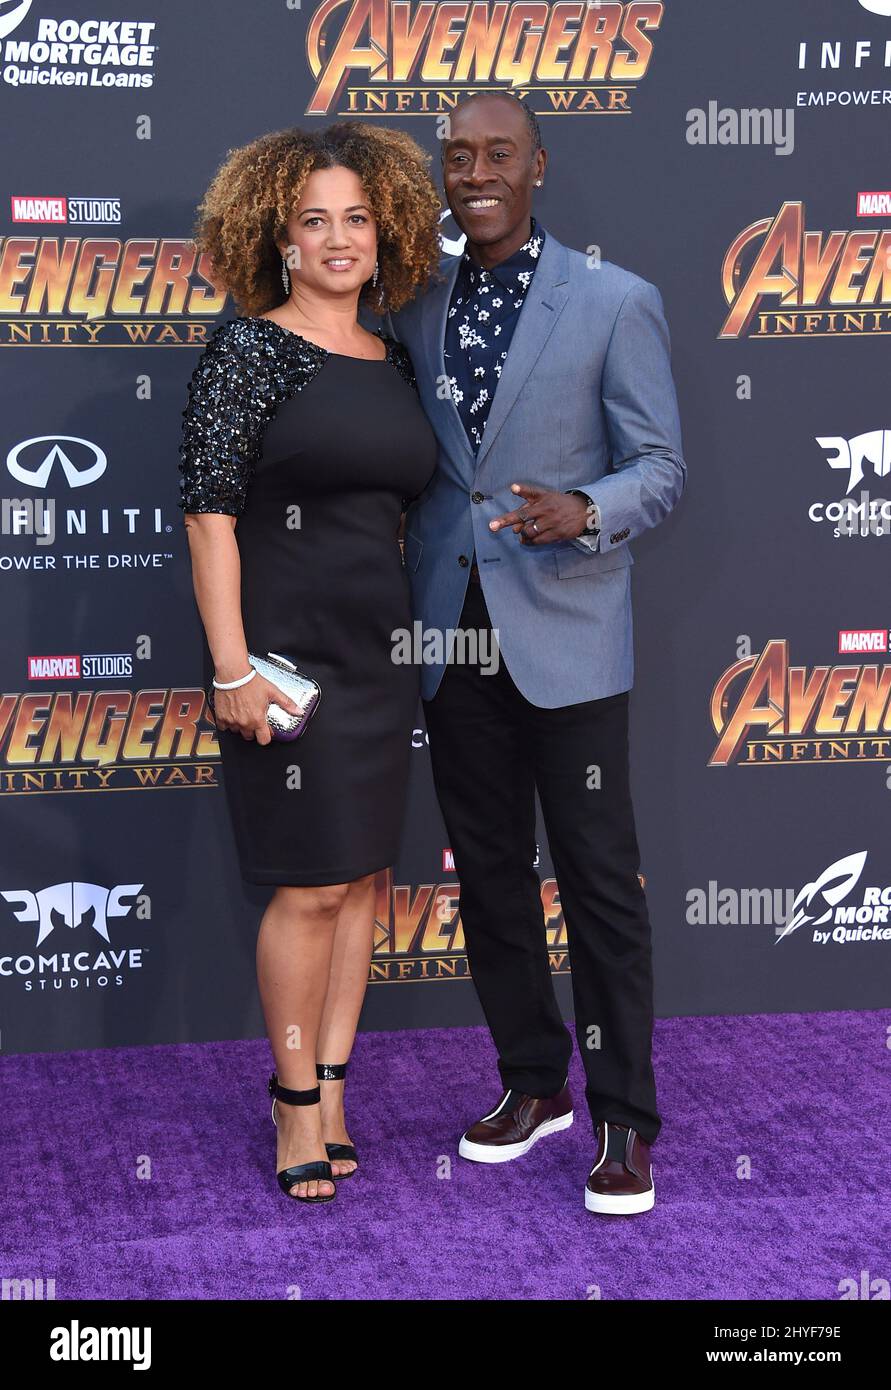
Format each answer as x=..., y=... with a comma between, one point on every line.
x=483, y=313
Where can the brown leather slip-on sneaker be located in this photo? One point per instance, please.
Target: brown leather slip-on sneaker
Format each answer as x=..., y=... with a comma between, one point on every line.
x=621, y=1181
x=516, y=1123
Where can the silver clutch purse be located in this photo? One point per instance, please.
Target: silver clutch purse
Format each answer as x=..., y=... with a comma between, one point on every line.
x=303, y=690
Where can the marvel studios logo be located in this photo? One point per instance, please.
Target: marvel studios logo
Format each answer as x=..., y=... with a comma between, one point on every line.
x=448, y=859
x=99, y=666
x=874, y=204
x=863, y=639
x=70, y=211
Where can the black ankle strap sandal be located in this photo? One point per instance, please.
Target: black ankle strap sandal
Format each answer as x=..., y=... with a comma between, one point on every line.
x=338, y=1153
x=319, y=1171
x=331, y=1071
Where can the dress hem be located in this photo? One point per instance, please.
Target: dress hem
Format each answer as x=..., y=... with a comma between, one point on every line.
x=286, y=878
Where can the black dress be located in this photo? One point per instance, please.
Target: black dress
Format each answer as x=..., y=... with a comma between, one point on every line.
x=316, y=454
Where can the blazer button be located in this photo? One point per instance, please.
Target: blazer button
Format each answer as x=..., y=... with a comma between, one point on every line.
x=476, y=497
x=463, y=561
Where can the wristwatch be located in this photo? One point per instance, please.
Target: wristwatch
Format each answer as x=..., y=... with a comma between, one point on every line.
x=592, y=525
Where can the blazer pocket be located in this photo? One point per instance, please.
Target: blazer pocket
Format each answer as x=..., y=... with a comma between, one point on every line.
x=573, y=561
x=412, y=548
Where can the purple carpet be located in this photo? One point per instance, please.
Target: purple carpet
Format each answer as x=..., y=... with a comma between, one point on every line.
x=805, y=1098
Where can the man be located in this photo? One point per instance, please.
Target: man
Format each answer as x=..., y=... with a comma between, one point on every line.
x=548, y=382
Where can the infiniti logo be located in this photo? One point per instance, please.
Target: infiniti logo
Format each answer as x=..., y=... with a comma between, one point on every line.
x=38, y=474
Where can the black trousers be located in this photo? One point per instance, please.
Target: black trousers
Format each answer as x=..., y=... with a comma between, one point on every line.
x=490, y=749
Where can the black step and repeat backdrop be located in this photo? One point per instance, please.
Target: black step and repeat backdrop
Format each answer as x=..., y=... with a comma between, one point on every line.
x=735, y=154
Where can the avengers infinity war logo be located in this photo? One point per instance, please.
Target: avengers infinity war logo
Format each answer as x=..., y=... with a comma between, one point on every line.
x=105, y=740
x=418, y=933
x=837, y=285
x=766, y=711
x=389, y=57
x=101, y=291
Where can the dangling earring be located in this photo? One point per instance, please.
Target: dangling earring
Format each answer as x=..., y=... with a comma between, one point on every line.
x=286, y=279
x=374, y=276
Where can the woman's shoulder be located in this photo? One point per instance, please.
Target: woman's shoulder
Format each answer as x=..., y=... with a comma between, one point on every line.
x=236, y=336
x=227, y=347
x=250, y=349
x=231, y=369
x=400, y=358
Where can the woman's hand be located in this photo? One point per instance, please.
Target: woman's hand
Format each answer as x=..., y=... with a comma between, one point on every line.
x=243, y=710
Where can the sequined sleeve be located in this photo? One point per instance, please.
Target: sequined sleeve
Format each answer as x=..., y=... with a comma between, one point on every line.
x=220, y=437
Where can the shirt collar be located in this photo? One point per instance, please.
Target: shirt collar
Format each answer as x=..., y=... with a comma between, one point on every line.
x=508, y=272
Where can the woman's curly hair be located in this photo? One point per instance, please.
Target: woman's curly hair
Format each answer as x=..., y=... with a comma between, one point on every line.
x=245, y=210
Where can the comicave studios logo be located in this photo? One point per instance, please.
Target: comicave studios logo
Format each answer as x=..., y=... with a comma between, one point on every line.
x=80, y=908
x=862, y=515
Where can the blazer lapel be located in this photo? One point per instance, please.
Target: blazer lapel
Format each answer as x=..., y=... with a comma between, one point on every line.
x=541, y=309
x=443, y=412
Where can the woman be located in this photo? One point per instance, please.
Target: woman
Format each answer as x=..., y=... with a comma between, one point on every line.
x=303, y=439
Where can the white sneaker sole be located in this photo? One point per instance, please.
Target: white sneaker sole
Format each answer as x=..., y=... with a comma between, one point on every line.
x=619, y=1206
x=503, y=1153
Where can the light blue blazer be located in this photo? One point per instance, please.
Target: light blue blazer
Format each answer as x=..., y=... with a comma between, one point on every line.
x=586, y=400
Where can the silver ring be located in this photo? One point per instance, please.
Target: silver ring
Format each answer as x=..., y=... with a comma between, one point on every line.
x=535, y=524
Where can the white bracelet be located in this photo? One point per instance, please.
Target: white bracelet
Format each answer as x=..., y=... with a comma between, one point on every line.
x=233, y=685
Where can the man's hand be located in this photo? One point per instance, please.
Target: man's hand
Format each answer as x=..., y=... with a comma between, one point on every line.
x=544, y=516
